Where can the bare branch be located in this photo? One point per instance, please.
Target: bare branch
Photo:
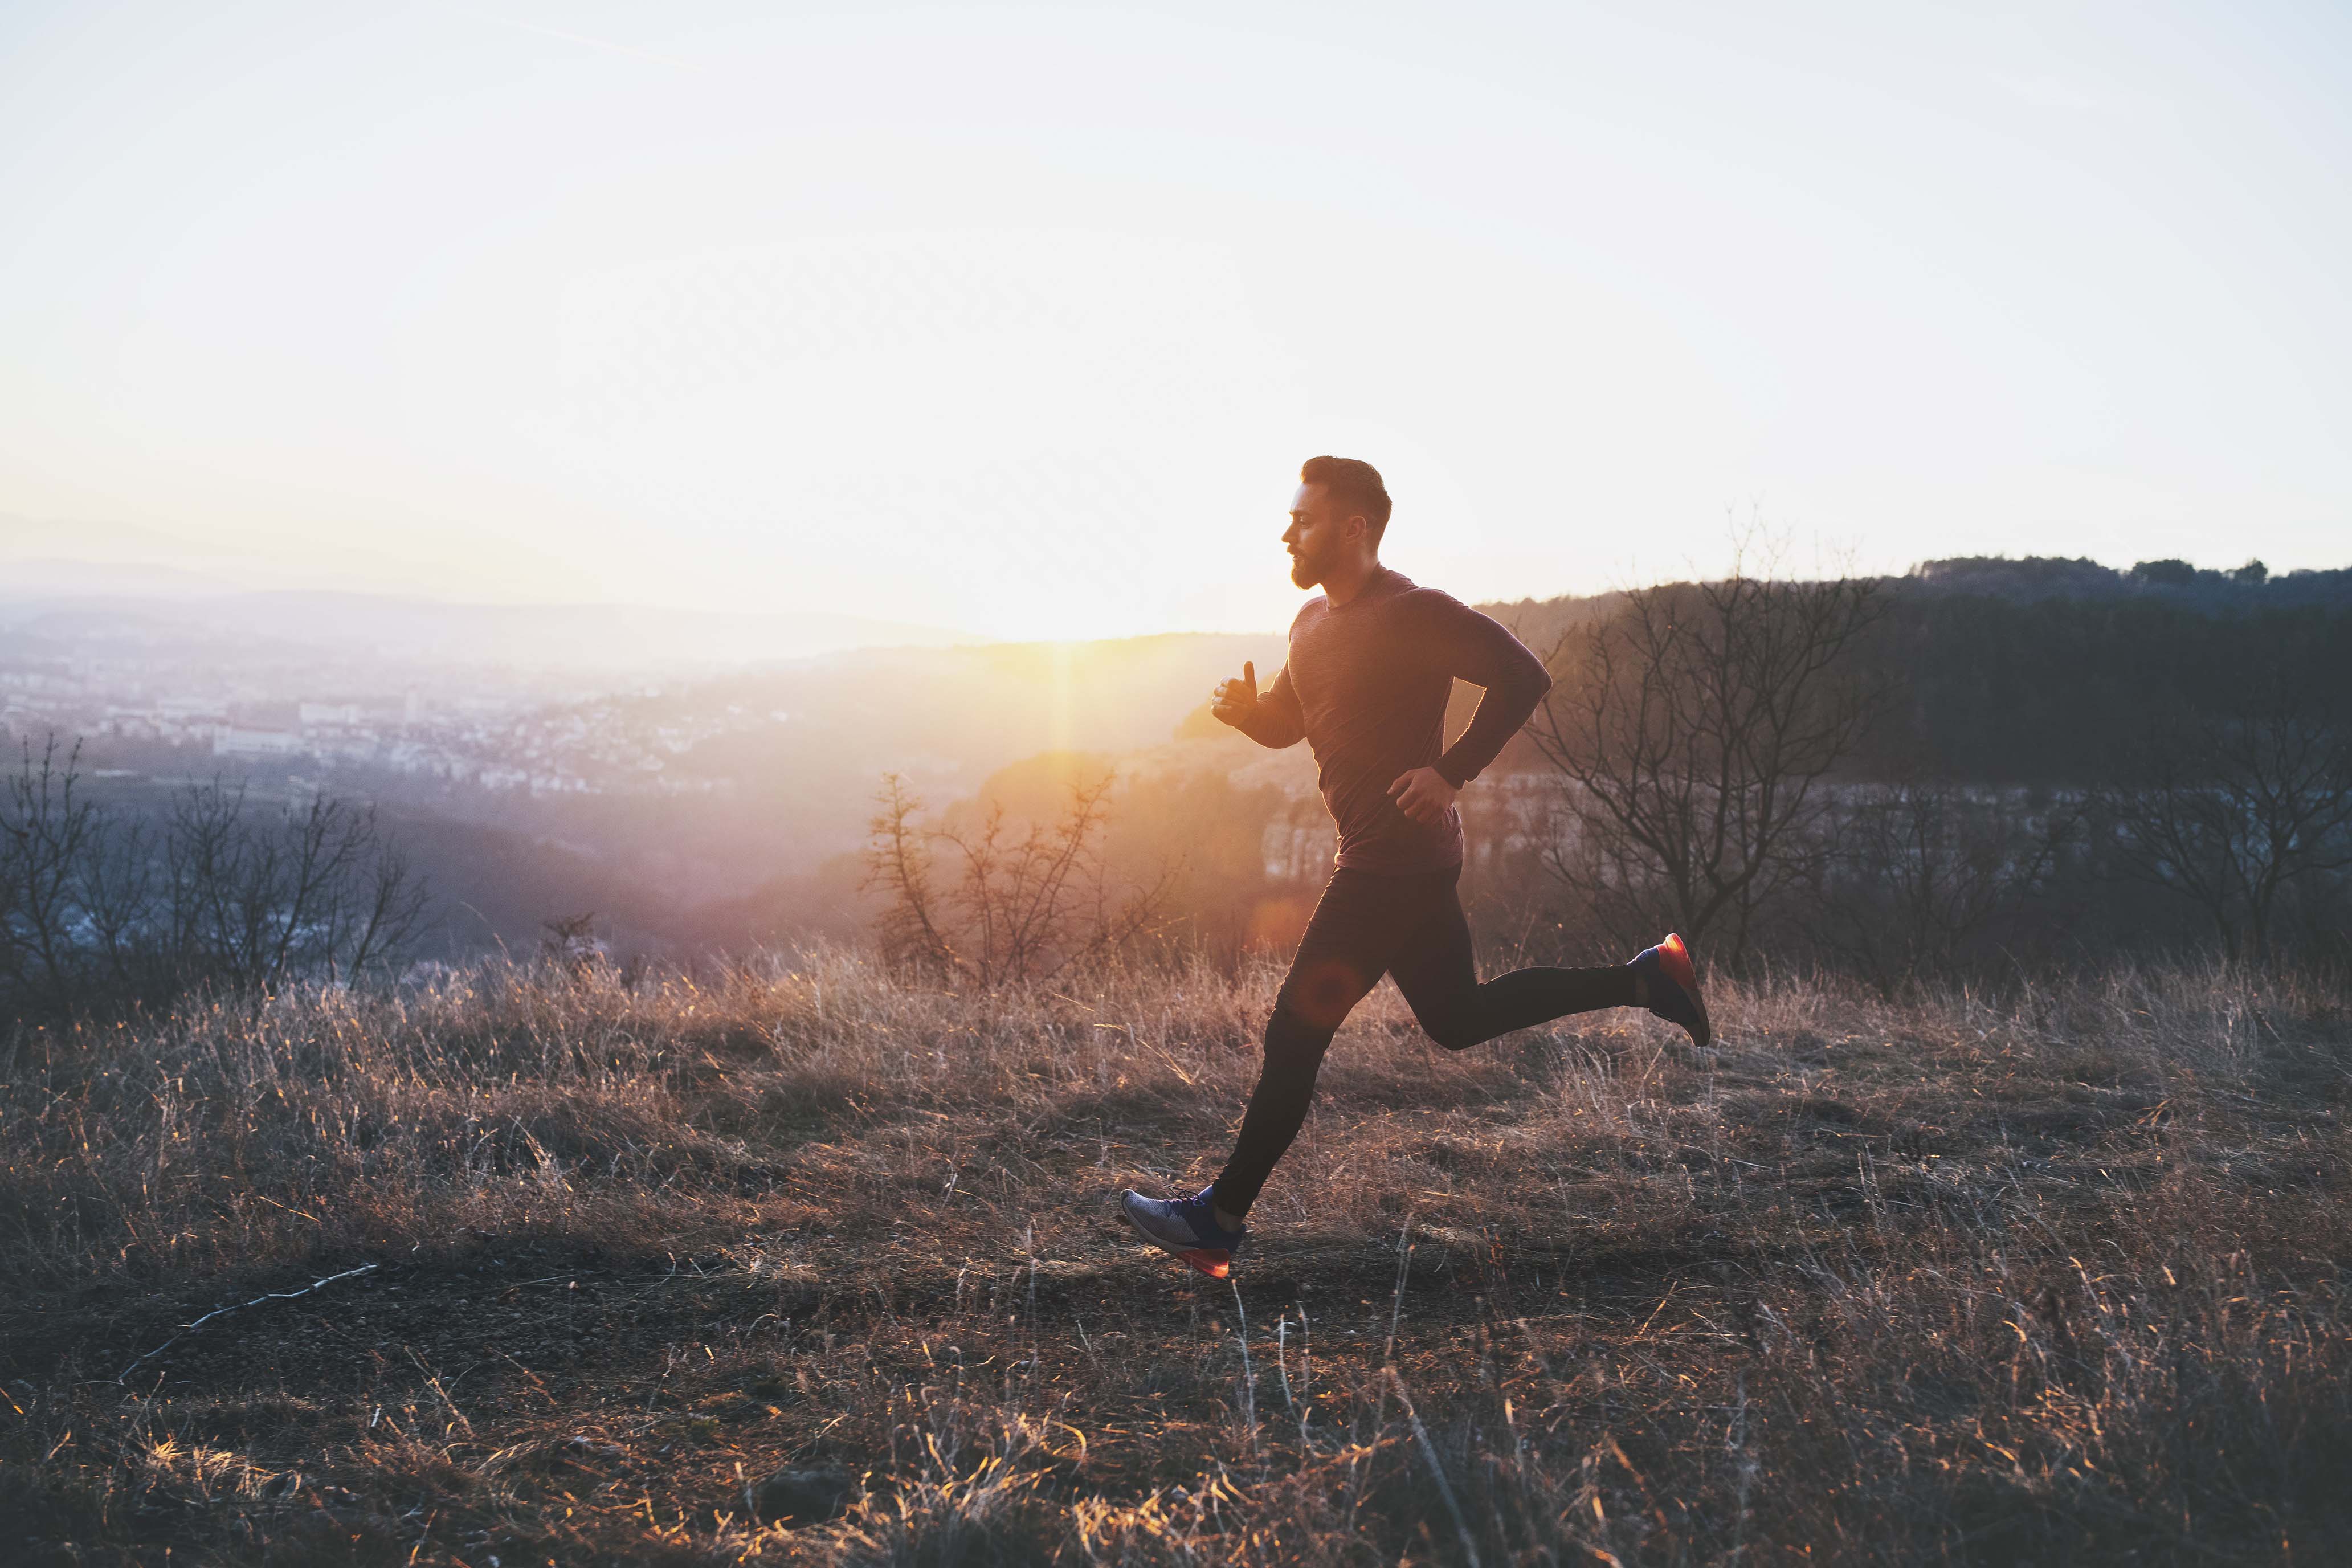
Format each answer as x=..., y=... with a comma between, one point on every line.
x=223, y=1311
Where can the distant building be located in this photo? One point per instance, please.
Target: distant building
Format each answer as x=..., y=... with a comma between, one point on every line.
x=234, y=742
x=343, y=713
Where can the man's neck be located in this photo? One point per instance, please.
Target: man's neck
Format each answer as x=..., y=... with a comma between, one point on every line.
x=1344, y=583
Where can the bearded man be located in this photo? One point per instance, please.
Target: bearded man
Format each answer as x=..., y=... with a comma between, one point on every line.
x=1373, y=660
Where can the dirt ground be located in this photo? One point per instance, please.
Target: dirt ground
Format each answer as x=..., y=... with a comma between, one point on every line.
x=814, y=1263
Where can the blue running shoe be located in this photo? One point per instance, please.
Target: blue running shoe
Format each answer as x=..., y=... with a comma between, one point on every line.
x=1665, y=983
x=1187, y=1227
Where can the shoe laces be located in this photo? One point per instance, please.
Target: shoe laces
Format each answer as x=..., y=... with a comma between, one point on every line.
x=1200, y=1214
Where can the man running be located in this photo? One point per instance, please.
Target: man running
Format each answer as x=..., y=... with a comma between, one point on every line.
x=1372, y=661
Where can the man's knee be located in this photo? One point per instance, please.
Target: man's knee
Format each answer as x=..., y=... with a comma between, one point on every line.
x=1293, y=1040
x=1320, y=992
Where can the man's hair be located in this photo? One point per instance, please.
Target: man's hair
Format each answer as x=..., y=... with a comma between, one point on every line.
x=1354, y=485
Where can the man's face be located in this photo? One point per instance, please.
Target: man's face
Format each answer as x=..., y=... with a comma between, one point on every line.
x=1316, y=536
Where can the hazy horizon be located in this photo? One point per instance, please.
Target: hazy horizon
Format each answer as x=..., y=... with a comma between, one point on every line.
x=42, y=578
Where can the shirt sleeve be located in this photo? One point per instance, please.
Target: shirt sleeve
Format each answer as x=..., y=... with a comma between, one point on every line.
x=1279, y=720
x=1481, y=650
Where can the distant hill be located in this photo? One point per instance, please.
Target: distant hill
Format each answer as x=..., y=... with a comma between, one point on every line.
x=2044, y=670
x=79, y=602
x=2033, y=578
x=49, y=579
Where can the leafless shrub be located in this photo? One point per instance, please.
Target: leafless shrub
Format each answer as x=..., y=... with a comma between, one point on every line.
x=1021, y=899
x=569, y=944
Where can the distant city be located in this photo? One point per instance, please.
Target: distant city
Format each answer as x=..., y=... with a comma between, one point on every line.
x=523, y=738
x=538, y=775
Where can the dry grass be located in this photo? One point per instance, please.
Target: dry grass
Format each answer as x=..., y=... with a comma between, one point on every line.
x=2057, y=1280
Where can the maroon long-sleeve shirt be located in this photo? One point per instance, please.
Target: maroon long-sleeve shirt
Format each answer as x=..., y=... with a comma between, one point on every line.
x=1366, y=686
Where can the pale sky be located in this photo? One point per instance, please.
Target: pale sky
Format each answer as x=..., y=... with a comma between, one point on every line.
x=1020, y=319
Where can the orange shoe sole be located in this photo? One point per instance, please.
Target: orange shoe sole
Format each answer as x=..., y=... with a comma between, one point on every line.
x=1676, y=960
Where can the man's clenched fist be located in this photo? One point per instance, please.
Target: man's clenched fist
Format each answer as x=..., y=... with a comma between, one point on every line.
x=1235, y=701
x=1422, y=794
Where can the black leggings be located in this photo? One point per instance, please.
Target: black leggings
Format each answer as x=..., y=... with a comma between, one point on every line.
x=1411, y=929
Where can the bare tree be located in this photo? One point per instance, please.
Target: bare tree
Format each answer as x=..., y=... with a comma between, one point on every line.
x=317, y=890
x=1691, y=731
x=1919, y=872
x=2229, y=812
x=1023, y=900
x=107, y=907
x=46, y=832
x=118, y=890
x=382, y=909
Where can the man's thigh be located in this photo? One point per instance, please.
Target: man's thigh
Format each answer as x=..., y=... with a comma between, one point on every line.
x=1359, y=926
x=1435, y=966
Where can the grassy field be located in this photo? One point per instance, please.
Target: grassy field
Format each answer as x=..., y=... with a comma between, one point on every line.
x=2056, y=1279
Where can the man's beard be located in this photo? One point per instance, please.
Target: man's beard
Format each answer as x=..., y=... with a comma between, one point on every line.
x=1304, y=573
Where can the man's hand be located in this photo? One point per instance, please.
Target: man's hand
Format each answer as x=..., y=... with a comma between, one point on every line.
x=1422, y=794
x=1235, y=701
